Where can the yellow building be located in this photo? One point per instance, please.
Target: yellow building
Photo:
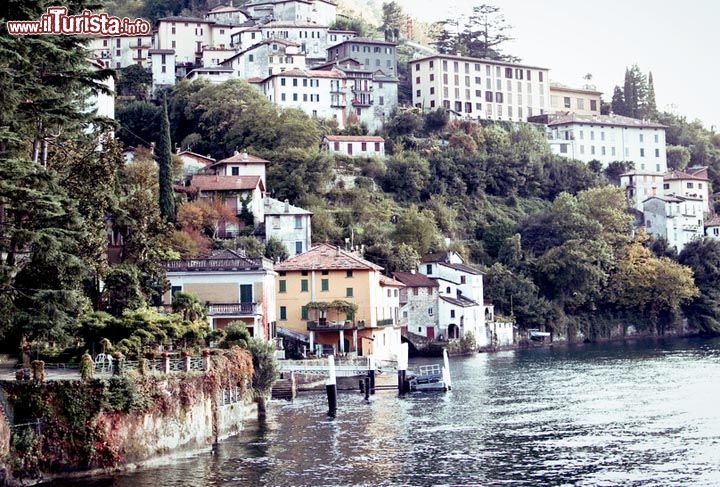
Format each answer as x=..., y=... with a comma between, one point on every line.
x=581, y=101
x=337, y=300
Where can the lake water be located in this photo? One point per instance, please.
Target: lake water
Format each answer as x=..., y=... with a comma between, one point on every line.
x=640, y=413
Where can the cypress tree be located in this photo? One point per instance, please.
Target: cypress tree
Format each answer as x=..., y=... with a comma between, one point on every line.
x=618, y=101
x=650, y=105
x=164, y=160
x=629, y=94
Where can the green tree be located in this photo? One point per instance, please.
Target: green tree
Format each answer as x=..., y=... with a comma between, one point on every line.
x=138, y=122
x=417, y=229
x=618, y=101
x=164, y=160
x=123, y=290
x=703, y=257
x=678, y=157
x=393, y=21
x=649, y=105
x=134, y=81
x=275, y=250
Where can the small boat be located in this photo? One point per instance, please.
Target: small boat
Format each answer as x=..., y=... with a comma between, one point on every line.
x=428, y=378
x=538, y=335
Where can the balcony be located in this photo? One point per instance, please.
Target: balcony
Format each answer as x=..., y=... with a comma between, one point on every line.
x=326, y=325
x=362, y=103
x=232, y=309
x=361, y=90
x=387, y=322
x=190, y=265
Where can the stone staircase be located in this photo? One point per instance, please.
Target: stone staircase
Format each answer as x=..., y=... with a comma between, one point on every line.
x=284, y=388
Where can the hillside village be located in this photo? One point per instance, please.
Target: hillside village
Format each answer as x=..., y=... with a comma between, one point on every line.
x=306, y=194
x=288, y=51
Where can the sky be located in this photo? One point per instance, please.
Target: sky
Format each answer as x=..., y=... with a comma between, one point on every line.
x=677, y=40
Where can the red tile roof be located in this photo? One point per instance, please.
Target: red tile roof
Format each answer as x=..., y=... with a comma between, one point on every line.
x=713, y=222
x=225, y=183
x=326, y=257
x=204, y=159
x=675, y=175
x=415, y=279
x=244, y=157
x=354, y=138
x=389, y=281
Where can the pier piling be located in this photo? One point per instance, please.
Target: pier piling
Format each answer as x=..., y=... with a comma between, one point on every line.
x=331, y=388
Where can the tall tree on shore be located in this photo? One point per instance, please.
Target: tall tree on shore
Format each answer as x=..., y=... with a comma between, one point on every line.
x=649, y=105
x=618, y=101
x=164, y=159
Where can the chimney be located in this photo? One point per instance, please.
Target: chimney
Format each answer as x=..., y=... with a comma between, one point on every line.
x=412, y=271
x=287, y=206
x=244, y=156
x=236, y=153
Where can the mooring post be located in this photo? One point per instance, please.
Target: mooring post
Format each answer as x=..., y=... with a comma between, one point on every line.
x=367, y=388
x=371, y=373
x=446, y=370
x=362, y=385
x=402, y=367
x=331, y=388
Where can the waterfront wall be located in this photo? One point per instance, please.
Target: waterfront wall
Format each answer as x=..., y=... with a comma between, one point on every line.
x=67, y=427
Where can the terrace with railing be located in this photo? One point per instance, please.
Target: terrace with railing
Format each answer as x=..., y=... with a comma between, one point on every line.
x=239, y=264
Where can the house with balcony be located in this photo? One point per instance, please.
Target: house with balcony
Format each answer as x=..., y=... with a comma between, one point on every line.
x=692, y=183
x=232, y=286
x=335, y=299
x=460, y=296
x=678, y=219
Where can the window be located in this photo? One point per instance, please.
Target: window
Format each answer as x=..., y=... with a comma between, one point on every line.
x=593, y=105
x=251, y=58
x=349, y=274
x=657, y=139
x=447, y=290
x=304, y=273
x=498, y=97
x=325, y=285
x=298, y=222
x=581, y=104
x=303, y=313
x=642, y=137
x=563, y=148
x=363, y=146
x=430, y=311
x=428, y=269
x=463, y=280
x=303, y=285
x=508, y=72
x=298, y=247
x=566, y=102
x=276, y=222
x=415, y=291
x=377, y=146
x=642, y=152
x=349, y=292
x=452, y=313
x=690, y=185
x=283, y=313
x=234, y=171
x=174, y=290
x=657, y=152
x=283, y=286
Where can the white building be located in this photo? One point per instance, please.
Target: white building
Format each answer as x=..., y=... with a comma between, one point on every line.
x=311, y=37
x=355, y=145
x=265, y=58
x=239, y=164
x=477, y=88
x=214, y=56
x=193, y=162
x=163, y=67
x=214, y=75
x=227, y=14
x=311, y=91
x=419, y=301
x=639, y=186
x=608, y=138
x=245, y=36
x=289, y=224
x=388, y=312
x=234, y=288
x=712, y=227
x=677, y=219
x=122, y=51
x=461, y=304
x=187, y=36
x=694, y=183
x=319, y=11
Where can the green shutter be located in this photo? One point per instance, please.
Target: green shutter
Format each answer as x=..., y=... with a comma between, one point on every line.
x=304, y=313
x=325, y=284
x=349, y=292
x=304, y=285
x=283, y=286
x=283, y=313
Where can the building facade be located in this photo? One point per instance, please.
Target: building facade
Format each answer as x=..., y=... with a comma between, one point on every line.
x=581, y=101
x=122, y=51
x=355, y=145
x=419, y=300
x=311, y=38
x=289, y=224
x=319, y=11
x=232, y=286
x=677, y=219
x=268, y=57
x=693, y=183
x=335, y=298
x=608, y=138
x=371, y=53
x=477, y=88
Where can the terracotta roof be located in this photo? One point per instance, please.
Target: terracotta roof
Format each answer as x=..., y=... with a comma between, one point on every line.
x=415, y=279
x=713, y=222
x=435, y=257
x=389, y=281
x=225, y=183
x=244, y=157
x=675, y=175
x=354, y=138
x=204, y=159
x=611, y=120
x=326, y=257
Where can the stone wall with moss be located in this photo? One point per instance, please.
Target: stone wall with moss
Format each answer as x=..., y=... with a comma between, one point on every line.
x=69, y=426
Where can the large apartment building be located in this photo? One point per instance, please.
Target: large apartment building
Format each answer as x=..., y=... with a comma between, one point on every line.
x=121, y=51
x=608, y=138
x=372, y=53
x=478, y=88
x=319, y=11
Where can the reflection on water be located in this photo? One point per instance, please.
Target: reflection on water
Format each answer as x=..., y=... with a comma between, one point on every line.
x=641, y=413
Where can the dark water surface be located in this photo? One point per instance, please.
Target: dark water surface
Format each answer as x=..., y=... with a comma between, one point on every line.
x=644, y=413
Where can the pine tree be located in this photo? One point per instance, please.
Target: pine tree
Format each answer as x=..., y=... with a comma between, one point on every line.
x=618, y=102
x=164, y=160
